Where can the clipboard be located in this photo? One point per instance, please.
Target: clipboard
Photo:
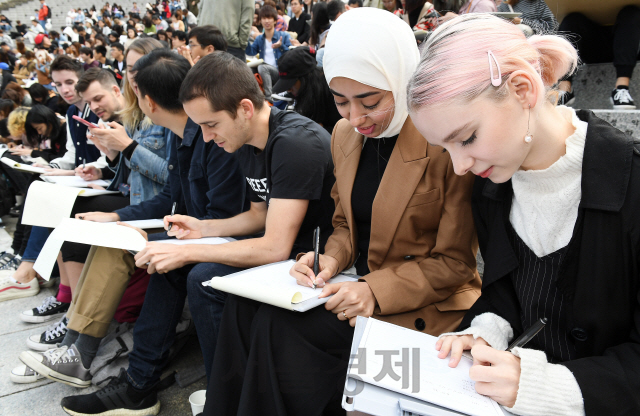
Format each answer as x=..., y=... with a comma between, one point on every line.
x=374, y=400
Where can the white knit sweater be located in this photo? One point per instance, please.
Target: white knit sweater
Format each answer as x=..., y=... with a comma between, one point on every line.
x=545, y=202
x=543, y=213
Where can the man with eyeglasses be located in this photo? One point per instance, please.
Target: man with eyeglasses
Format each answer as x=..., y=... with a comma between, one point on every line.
x=203, y=40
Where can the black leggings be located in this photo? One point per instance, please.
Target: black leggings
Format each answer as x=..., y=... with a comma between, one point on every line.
x=600, y=44
x=104, y=203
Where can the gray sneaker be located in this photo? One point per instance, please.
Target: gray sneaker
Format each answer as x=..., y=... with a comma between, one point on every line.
x=22, y=374
x=61, y=364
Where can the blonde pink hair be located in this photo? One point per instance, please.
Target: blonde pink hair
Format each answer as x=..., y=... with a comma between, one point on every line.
x=454, y=63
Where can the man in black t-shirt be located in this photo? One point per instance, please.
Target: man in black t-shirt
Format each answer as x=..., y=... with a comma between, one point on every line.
x=285, y=157
x=286, y=160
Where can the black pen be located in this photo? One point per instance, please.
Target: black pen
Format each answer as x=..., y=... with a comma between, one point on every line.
x=528, y=334
x=316, y=254
x=173, y=211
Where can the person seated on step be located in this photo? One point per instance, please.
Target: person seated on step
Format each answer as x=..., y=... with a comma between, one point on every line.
x=618, y=43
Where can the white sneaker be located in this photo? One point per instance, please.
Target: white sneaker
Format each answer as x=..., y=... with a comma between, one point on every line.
x=23, y=374
x=10, y=289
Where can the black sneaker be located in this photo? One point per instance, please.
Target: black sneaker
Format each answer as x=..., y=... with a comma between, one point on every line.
x=51, y=337
x=621, y=99
x=566, y=98
x=114, y=398
x=49, y=310
x=15, y=211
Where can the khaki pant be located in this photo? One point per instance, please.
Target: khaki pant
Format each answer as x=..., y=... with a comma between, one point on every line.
x=102, y=283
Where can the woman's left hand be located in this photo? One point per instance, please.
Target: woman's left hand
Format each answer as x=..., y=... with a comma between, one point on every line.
x=350, y=300
x=498, y=374
x=21, y=151
x=516, y=20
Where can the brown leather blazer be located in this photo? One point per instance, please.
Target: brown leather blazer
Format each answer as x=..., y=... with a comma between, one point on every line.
x=423, y=239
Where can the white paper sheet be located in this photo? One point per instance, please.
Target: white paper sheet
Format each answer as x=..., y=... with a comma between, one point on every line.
x=47, y=204
x=99, y=234
x=21, y=166
x=438, y=383
x=270, y=284
x=86, y=232
x=73, y=181
x=144, y=224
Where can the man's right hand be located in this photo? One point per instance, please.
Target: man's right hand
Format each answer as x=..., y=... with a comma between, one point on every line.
x=98, y=216
x=184, y=227
x=89, y=173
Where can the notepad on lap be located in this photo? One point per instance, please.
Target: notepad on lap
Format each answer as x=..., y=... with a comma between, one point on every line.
x=74, y=181
x=21, y=166
x=403, y=370
x=274, y=285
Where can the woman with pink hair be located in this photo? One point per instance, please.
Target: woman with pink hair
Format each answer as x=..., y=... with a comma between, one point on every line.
x=555, y=207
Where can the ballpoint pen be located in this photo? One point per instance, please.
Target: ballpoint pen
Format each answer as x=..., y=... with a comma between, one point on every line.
x=173, y=211
x=316, y=254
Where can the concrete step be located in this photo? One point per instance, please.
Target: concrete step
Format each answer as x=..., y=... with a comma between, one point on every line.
x=627, y=121
x=593, y=84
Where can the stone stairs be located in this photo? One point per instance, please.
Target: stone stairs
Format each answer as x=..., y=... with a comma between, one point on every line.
x=592, y=87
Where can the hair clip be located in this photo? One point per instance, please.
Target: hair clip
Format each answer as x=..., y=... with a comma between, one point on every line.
x=498, y=80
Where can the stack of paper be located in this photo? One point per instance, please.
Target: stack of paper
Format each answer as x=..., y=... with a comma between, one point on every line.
x=74, y=181
x=21, y=166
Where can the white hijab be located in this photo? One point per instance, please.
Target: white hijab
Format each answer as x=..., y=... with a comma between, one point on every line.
x=375, y=48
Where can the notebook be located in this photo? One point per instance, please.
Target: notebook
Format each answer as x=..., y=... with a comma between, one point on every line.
x=21, y=166
x=273, y=284
x=394, y=368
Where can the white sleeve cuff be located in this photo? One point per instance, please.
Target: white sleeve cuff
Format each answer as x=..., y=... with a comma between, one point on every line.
x=545, y=389
x=490, y=327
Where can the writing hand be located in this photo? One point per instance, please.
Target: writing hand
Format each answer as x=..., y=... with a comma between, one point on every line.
x=184, y=227
x=498, y=377
x=302, y=270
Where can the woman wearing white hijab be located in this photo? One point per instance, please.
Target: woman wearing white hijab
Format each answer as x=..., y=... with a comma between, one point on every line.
x=403, y=220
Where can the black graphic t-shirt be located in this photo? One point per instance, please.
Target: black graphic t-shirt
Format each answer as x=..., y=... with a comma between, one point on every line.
x=295, y=164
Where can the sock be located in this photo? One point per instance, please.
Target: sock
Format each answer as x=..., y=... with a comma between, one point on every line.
x=87, y=347
x=622, y=87
x=70, y=337
x=64, y=294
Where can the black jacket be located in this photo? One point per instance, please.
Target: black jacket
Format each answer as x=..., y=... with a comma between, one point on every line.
x=599, y=274
x=301, y=26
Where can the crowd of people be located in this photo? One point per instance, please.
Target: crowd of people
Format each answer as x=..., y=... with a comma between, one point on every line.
x=382, y=125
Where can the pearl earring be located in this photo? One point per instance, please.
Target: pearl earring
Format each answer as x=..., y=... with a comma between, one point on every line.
x=528, y=137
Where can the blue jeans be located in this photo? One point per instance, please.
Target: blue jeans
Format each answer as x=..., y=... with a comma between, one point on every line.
x=37, y=238
x=43, y=23
x=155, y=329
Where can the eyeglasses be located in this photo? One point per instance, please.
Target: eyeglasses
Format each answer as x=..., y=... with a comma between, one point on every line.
x=193, y=45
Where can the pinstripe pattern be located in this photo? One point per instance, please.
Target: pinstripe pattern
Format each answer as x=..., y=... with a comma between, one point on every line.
x=534, y=282
x=535, y=14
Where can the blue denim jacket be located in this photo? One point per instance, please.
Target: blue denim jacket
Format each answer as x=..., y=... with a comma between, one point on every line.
x=259, y=45
x=147, y=171
x=204, y=180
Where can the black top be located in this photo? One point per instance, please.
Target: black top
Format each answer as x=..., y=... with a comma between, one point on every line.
x=373, y=162
x=295, y=164
x=301, y=27
x=599, y=275
x=535, y=284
